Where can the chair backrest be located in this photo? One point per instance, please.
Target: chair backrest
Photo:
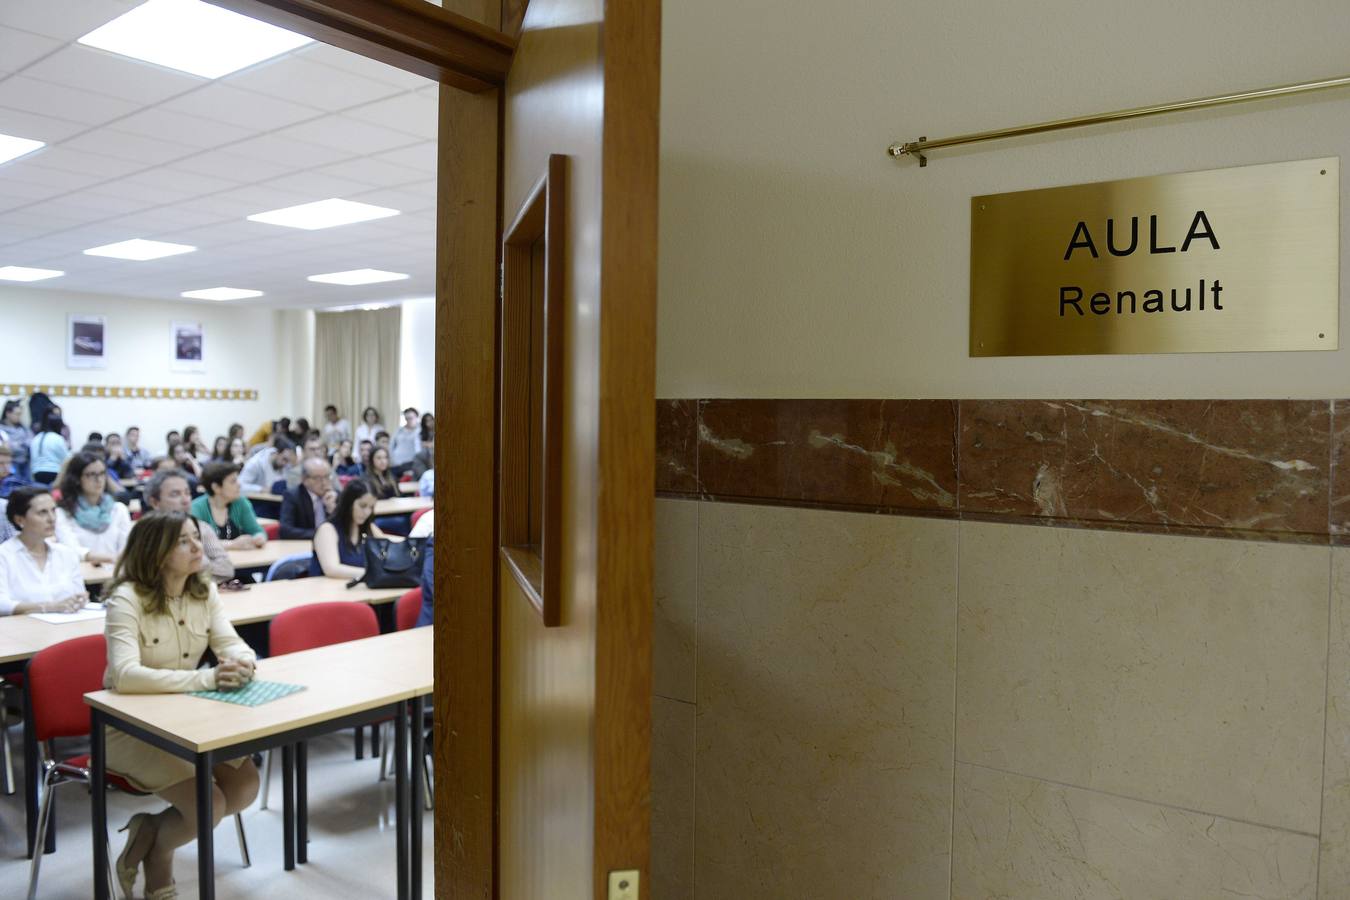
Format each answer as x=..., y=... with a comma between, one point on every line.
x=408, y=609
x=272, y=530
x=418, y=514
x=294, y=566
x=58, y=678
x=321, y=624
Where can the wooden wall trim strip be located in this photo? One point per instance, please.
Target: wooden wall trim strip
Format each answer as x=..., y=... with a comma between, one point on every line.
x=412, y=35
x=128, y=393
x=1271, y=470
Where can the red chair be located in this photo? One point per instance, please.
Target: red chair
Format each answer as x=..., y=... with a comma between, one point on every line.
x=418, y=514
x=58, y=677
x=316, y=625
x=272, y=530
x=408, y=609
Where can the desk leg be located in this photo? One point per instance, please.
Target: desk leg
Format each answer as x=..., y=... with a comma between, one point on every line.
x=415, y=806
x=99, y=803
x=401, y=795
x=206, y=857
x=288, y=805
x=302, y=802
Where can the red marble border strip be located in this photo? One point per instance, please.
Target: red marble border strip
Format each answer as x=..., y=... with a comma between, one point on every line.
x=1272, y=470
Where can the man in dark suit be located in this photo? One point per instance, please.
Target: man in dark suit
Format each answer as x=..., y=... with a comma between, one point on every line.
x=311, y=502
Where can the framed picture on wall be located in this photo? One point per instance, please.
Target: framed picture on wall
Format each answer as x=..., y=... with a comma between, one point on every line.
x=86, y=347
x=188, y=347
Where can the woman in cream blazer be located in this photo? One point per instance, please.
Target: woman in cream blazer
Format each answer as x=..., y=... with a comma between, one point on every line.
x=162, y=615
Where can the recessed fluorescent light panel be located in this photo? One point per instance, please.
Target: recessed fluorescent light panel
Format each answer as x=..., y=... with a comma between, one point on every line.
x=139, y=250
x=13, y=147
x=192, y=37
x=358, y=276
x=324, y=214
x=221, y=293
x=22, y=273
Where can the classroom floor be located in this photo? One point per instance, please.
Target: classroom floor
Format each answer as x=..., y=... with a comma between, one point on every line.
x=351, y=837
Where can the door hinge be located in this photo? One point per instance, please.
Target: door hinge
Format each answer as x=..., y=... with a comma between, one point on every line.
x=623, y=885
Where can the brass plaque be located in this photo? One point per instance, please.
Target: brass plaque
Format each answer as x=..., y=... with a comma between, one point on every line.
x=1230, y=259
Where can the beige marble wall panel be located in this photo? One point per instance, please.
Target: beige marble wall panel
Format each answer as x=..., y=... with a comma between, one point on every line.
x=825, y=692
x=1021, y=838
x=1185, y=671
x=1334, y=882
x=675, y=589
x=672, y=800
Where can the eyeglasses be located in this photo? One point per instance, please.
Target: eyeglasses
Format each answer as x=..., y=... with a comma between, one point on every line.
x=93, y=476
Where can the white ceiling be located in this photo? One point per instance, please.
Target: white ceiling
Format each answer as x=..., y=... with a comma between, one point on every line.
x=139, y=151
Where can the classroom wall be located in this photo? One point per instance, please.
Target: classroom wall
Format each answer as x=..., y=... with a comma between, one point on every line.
x=239, y=345
x=417, y=357
x=876, y=676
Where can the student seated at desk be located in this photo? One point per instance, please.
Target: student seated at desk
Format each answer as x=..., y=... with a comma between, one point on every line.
x=222, y=508
x=9, y=479
x=339, y=543
x=304, y=509
x=266, y=466
x=163, y=614
x=36, y=573
x=49, y=449
x=344, y=465
x=169, y=491
x=88, y=519
x=379, y=476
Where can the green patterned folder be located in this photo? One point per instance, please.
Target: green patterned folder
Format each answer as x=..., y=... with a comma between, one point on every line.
x=255, y=693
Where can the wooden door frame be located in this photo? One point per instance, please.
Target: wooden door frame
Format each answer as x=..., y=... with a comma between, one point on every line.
x=463, y=47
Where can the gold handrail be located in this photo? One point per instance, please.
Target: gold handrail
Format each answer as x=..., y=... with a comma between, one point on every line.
x=920, y=147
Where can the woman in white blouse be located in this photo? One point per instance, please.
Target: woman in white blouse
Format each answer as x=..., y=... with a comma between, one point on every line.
x=163, y=614
x=88, y=519
x=36, y=573
x=370, y=425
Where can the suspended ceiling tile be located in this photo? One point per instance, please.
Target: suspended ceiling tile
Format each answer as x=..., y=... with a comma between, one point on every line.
x=59, y=180
x=317, y=186
x=415, y=113
x=220, y=102
x=312, y=84
x=418, y=156
x=83, y=163
x=37, y=127
x=19, y=48
x=373, y=172
x=80, y=67
x=61, y=101
x=194, y=184
x=358, y=137
x=64, y=20
x=221, y=164
x=134, y=147
x=160, y=123
x=292, y=154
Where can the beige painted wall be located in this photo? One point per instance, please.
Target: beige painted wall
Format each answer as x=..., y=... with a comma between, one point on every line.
x=798, y=260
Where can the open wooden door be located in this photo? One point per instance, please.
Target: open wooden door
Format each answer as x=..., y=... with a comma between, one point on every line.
x=546, y=320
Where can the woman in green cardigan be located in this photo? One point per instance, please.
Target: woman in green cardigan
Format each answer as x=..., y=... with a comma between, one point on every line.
x=223, y=509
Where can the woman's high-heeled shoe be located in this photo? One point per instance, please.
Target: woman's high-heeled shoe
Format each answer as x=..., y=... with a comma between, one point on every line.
x=168, y=892
x=126, y=870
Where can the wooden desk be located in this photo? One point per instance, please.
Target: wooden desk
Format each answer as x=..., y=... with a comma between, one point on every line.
x=263, y=497
x=401, y=506
x=23, y=636
x=257, y=558
x=346, y=684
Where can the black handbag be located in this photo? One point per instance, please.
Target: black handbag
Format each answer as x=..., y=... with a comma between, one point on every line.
x=393, y=564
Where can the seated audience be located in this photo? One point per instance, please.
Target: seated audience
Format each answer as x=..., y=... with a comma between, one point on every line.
x=238, y=453
x=118, y=463
x=425, y=458
x=426, y=485
x=339, y=543
x=405, y=443
x=95, y=437
x=170, y=491
x=426, y=616
x=222, y=507
x=184, y=459
x=49, y=450
x=263, y=436
x=196, y=444
x=370, y=424
x=266, y=466
x=220, y=450
x=335, y=428
x=37, y=574
x=300, y=431
x=344, y=466
x=136, y=454
x=236, y=431
x=88, y=519
x=97, y=449
x=6, y=530
x=16, y=436
x=163, y=616
x=311, y=502
x=9, y=479
x=382, y=440
x=171, y=438
x=428, y=427
x=40, y=408
x=379, y=477
x=311, y=448
x=367, y=448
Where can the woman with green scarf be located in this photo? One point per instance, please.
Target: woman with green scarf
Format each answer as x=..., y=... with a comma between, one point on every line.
x=88, y=519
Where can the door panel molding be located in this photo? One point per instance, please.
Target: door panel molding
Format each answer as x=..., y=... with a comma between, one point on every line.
x=412, y=35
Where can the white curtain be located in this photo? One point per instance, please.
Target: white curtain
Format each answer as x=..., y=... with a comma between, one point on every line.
x=356, y=363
